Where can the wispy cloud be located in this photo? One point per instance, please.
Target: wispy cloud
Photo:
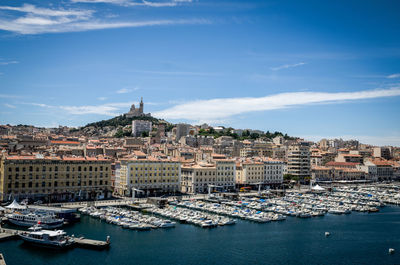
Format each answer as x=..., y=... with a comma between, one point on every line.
x=8, y=62
x=33, y=10
x=49, y=20
x=135, y=3
x=394, y=76
x=175, y=73
x=9, y=106
x=127, y=90
x=217, y=109
x=286, y=66
x=102, y=98
x=108, y=109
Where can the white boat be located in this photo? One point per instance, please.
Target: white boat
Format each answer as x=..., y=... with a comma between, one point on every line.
x=30, y=219
x=166, y=224
x=47, y=238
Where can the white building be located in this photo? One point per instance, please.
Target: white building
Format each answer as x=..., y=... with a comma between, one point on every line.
x=139, y=127
x=273, y=171
x=198, y=178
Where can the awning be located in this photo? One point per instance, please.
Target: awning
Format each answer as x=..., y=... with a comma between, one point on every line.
x=16, y=205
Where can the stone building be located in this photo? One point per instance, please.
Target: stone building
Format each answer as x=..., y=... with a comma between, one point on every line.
x=137, y=112
x=54, y=178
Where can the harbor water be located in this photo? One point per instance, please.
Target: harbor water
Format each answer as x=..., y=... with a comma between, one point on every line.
x=356, y=238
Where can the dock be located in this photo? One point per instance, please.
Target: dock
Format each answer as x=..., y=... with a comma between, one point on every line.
x=8, y=234
x=90, y=243
x=2, y=261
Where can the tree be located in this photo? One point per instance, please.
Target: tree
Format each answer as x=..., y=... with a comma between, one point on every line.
x=289, y=177
x=254, y=136
x=145, y=134
x=119, y=133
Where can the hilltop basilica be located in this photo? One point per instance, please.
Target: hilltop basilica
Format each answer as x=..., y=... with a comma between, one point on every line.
x=134, y=112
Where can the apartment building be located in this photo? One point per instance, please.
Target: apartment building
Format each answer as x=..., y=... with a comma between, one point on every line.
x=197, y=178
x=54, y=178
x=263, y=171
x=139, y=127
x=149, y=174
x=298, y=158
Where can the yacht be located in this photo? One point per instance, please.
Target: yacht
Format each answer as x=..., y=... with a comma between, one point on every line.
x=47, y=238
x=30, y=219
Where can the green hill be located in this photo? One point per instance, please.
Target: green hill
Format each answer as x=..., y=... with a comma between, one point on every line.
x=122, y=120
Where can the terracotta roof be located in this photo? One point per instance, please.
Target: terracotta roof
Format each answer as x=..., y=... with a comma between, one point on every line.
x=333, y=163
x=65, y=142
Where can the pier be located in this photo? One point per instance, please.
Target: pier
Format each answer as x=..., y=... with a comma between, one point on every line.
x=8, y=234
x=90, y=243
x=2, y=261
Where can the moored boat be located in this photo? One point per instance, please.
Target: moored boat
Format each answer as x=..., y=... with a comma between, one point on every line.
x=47, y=238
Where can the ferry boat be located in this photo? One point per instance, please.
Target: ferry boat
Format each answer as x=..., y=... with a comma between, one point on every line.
x=30, y=219
x=47, y=238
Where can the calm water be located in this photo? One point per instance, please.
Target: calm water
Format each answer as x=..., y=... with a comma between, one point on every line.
x=358, y=238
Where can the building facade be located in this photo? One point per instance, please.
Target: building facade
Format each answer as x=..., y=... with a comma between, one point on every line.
x=150, y=175
x=139, y=127
x=198, y=178
x=54, y=178
x=298, y=161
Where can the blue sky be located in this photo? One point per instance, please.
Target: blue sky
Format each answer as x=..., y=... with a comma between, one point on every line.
x=307, y=68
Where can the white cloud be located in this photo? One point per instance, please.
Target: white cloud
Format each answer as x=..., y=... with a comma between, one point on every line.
x=31, y=9
x=217, y=109
x=109, y=109
x=135, y=3
x=44, y=20
x=102, y=98
x=285, y=66
x=9, y=106
x=126, y=90
x=394, y=76
x=8, y=62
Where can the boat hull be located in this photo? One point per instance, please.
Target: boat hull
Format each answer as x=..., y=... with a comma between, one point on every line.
x=46, y=244
x=29, y=224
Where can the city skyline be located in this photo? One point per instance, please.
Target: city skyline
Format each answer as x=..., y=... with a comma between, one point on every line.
x=294, y=68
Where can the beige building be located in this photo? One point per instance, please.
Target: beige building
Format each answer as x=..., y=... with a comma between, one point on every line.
x=197, y=178
x=320, y=173
x=54, y=178
x=250, y=172
x=352, y=158
x=148, y=174
x=265, y=172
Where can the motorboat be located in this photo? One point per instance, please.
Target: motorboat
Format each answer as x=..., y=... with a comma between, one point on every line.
x=47, y=238
x=46, y=221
